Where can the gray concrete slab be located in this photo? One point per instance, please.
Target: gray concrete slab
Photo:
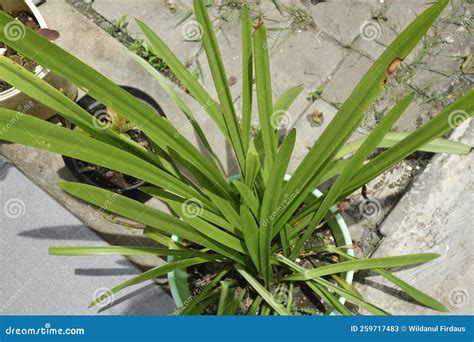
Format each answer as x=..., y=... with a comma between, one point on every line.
x=307, y=58
x=36, y=283
x=45, y=169
x=436, y=216
x=352, y=69
x=308, y=131
x=166, y=18
x=341, y=20
x=387, y=20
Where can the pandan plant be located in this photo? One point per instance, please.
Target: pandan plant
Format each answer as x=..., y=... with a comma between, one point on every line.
x=250, y=233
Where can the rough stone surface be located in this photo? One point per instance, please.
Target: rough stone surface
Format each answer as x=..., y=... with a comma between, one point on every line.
x=434, y=216
x=36, y=283
x=305, y=58
x=348, y=75
x=308, y=131
x=166, y=18
x=341, y=20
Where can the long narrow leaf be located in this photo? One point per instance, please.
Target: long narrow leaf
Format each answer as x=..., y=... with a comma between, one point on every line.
x=185, y=77
x=331, y=299
x=247, y=76
x=193, y=207
x=436, y=127
x=250, y=230
x=248, y=197
x=31, y=131
x=152, y=274
x=253, y=310
x=195, y=302
x=355, y=162
x=351, y=297
x=284, y=102
x=264, y=95
x=416, y=294
x=119, y=250
x=252, y=166
x=206, y=228
x=267, y=296
x=166, y=85
x=157, y=129
x=436, y=146
x=227, y=297
x=271, y=199
x=144, y=214
x=364, y=264
x=214, y=58
x=352, y=111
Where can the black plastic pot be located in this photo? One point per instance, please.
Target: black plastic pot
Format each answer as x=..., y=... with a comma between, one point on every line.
x=79, y=168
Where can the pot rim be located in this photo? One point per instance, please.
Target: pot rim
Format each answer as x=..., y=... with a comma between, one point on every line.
x=178, y=280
